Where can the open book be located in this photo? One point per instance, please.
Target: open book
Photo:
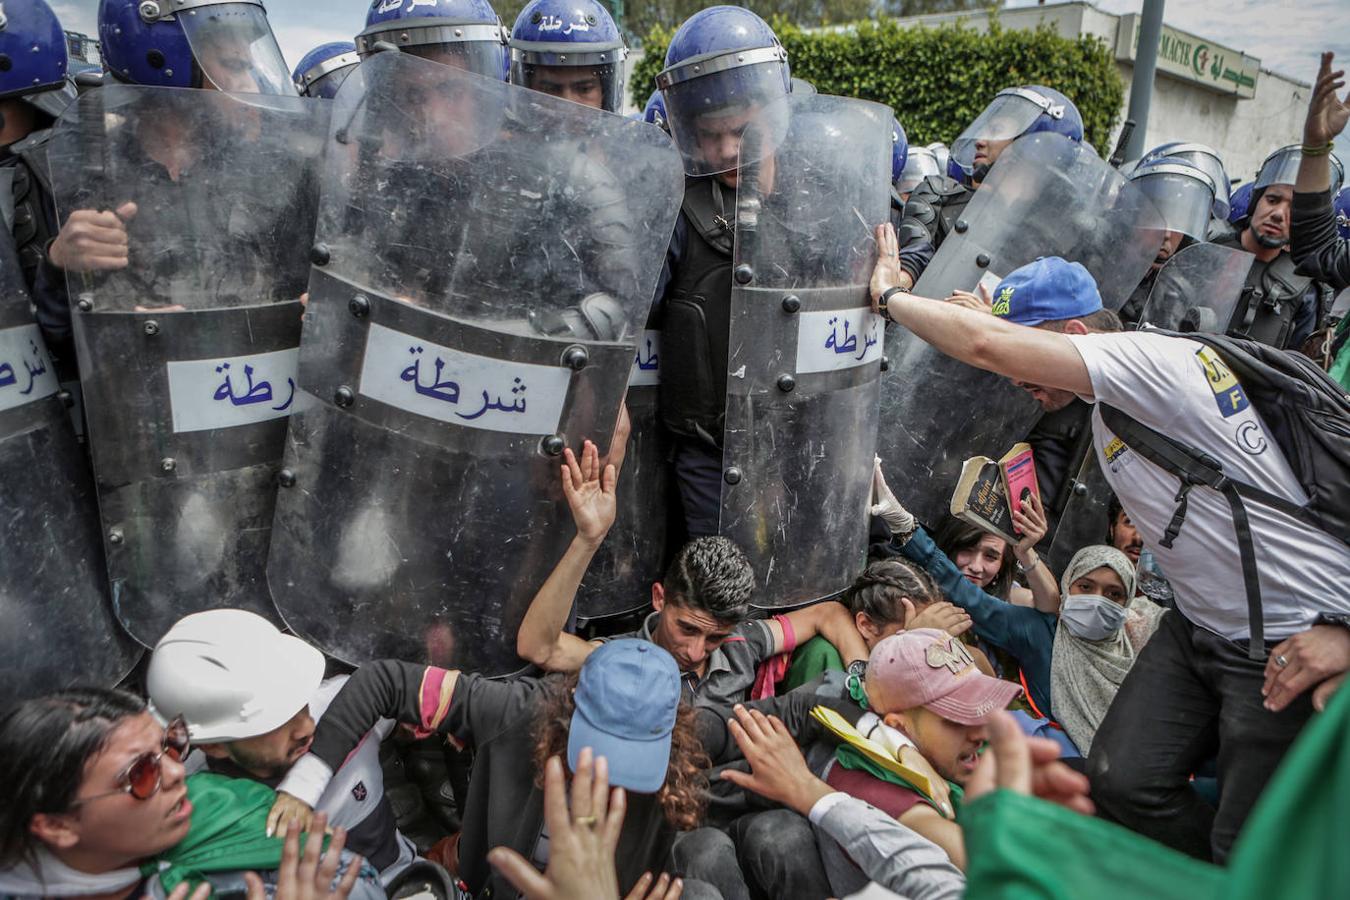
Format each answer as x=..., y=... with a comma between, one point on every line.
x=985, y=486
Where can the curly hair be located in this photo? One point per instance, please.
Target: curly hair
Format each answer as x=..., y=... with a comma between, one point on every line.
x=684, y=796
x=878, y=590
x=712, y=574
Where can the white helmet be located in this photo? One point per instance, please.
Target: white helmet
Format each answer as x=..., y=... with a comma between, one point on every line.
x=231, y=674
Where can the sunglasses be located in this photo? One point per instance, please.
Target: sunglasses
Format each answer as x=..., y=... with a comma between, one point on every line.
x=143, y=777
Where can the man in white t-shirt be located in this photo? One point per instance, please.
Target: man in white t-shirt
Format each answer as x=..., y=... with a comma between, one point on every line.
x=1194, y=694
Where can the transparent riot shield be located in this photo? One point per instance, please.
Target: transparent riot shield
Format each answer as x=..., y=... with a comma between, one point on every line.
x=485, y=261
x=634, y=553
x=56, y=622
x=188, y=354
x=1046, y=196
x=1198, y=289
x=1085, y=518
x=805, y=350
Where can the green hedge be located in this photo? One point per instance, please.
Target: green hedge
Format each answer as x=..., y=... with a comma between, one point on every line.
x=937, y=79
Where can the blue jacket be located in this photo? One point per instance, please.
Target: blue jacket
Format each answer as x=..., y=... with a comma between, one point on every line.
x=1027, y=633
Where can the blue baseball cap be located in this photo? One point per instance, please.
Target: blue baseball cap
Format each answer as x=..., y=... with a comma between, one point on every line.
x=626, y=699
x=1048, y=290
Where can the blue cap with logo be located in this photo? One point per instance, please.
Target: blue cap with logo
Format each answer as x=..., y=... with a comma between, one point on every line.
x=626, y=700
x=1050, y=289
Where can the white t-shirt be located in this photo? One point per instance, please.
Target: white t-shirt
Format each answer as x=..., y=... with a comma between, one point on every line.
x=1183, y=390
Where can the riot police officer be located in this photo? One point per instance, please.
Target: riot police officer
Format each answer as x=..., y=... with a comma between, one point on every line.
x=322, y=70
x=227, y=46
x=706, y=114
x=570, y=49
x=920, y=163
x=937, y=202
x=1278, y=306
x=463, y=33
x=1187, y=196
x=34, y=89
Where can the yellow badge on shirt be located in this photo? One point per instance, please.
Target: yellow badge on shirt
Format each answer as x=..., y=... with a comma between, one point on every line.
x=1227, y=392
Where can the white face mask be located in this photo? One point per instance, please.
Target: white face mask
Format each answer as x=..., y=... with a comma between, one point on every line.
x=1091, y=617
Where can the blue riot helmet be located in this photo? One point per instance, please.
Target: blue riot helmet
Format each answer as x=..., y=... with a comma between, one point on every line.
x=225, y=44
x=654, y=113
x=725, y=72
x=323, y=69
x=1183, y=193
x=919, y=164
x=899, y=156
x=463, y=33
x=33, y=59
x=1341, y=206
x=1281, y=167
x=1014, y=112
x=570, y=49
x=1239, y=202
x=899, y=149
x=1204, y=159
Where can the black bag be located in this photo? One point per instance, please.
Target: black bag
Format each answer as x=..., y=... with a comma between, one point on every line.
x=1308, y=416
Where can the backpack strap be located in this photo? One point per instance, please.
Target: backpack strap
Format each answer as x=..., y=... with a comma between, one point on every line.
x=1195, y=468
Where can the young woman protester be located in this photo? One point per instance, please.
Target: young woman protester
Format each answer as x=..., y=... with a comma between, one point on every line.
x=100, y=806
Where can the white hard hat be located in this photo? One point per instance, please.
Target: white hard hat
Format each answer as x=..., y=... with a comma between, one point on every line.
x=231, y=674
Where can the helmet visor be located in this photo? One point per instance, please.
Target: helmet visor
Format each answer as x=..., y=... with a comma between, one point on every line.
x=55, y=101
x=922, y=162
x=708, y=114
x=1006, y=118
x=591, y=79
x=1208, y=162
x=326, y=86
x=1281, y=167
x=236, y=50
x=1184, y=196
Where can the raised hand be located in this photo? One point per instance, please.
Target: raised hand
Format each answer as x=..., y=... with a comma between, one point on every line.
x=591, y=493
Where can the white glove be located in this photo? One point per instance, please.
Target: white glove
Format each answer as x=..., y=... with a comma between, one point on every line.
x=885, y=507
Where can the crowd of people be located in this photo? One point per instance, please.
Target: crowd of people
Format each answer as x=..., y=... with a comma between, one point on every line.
x=716, y=638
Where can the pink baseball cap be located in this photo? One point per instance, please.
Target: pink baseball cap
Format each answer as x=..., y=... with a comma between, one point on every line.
x=930, y=668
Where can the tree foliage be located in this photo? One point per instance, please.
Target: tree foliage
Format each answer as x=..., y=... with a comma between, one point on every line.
x=936, y=79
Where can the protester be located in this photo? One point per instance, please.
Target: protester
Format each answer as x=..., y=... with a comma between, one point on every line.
x=101, y=806
x=1024, y=632
x=1313, y=240
x=701, y=606
x=1120, y=532
x=987, y=560
x=250, y=696
x=624, y=704
x=1102, y=627
x=890, y=595
x=1197, y=684
x=583, y=838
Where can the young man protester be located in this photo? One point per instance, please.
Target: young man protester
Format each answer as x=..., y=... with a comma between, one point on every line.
x=1197, y=687
x=250, y=696
x=701, y=606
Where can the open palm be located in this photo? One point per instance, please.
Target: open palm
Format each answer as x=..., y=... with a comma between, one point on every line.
x=591, y=492
x=1327, y=114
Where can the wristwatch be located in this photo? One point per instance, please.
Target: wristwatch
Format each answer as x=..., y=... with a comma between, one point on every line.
x=885, y=298
x=1341, y=619
x=1035, y=561
x=858, y=667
